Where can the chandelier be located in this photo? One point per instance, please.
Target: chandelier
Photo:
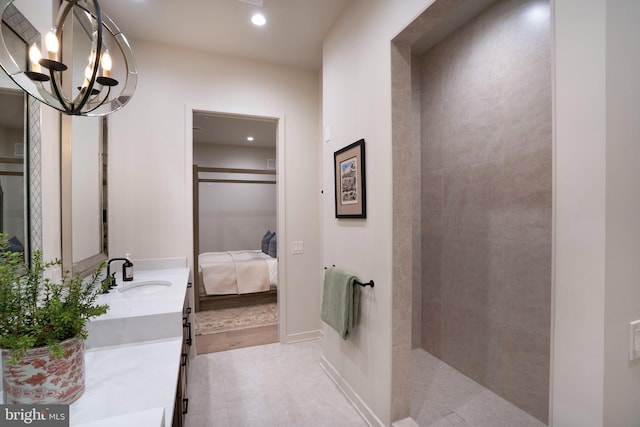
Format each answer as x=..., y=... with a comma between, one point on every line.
x=89, y=83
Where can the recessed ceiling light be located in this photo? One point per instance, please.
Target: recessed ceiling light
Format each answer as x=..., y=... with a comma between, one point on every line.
x=258, y=19
x=250, y=138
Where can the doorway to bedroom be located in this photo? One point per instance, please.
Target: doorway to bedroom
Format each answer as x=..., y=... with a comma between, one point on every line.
x=235, y=230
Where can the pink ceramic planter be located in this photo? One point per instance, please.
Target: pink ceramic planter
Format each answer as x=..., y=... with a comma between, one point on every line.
x=38, y=378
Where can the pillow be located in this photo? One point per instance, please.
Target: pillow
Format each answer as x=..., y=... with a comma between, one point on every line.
x=15, y=245
x=265, y=241
x=273, y=246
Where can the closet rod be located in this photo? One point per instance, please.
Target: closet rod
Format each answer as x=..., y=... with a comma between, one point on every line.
x=232, y=170
x=11, y=173
x=238, y=181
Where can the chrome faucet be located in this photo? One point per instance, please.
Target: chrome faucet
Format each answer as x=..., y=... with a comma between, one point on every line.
x=109, y=282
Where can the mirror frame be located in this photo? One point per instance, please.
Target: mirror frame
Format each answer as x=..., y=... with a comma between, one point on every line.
x=87, y=265
x=32, y=137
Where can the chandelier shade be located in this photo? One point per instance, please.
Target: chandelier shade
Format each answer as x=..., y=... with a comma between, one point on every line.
x=98, y=75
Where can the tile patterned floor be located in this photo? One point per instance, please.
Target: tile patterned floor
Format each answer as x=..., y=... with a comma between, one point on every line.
x=271, y=386
x=443, y=397
x=278, y=385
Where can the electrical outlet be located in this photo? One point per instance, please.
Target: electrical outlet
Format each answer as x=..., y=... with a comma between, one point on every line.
x=297, y=248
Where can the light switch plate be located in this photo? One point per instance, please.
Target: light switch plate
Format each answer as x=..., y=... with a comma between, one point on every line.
x=634, y=340
x=297, y=248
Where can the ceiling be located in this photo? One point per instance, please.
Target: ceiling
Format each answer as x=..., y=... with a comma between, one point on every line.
x=292, y=35
x=232, y=130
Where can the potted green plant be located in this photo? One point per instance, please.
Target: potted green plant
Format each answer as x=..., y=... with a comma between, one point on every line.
x=43, y=328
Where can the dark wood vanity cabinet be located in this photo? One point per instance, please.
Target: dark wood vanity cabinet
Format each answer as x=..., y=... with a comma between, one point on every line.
x=181, y=406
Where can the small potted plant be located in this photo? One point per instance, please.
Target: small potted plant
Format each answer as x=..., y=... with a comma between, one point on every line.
x=43, y=328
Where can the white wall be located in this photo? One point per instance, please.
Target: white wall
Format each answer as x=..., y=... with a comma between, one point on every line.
x=594, y=172
x=150, y=186
x=234, y=216
x=596, y=213
x=9, y=137
x=357, y=104
x=12, y=186
x=622, y=294
x=579, y=214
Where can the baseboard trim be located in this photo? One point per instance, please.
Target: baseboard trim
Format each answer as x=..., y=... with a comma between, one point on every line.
x=302, y=336
x=365, y=412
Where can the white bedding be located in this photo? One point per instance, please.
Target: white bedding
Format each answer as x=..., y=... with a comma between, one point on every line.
x=237, y=272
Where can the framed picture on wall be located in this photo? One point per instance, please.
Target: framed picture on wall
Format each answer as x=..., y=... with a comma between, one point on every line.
x=349, y=164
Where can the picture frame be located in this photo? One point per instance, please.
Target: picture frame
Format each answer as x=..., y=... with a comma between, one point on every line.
x=350, y=181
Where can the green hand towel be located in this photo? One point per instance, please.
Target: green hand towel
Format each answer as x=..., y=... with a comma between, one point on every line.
x=340, y=301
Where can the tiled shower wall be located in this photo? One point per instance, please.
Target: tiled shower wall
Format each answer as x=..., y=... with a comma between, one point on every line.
x=486, y=201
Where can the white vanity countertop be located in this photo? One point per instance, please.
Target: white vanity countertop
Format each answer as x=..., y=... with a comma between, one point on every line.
x=165, y=300
x=132, y=382
x=133, y=317
x=133, y=355
x=153, y=417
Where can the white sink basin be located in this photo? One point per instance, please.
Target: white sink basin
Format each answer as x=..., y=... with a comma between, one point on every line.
x=147, y=308
x=144, y=287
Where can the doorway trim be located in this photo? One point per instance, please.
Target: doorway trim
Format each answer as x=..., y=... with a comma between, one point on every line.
x=279, y=118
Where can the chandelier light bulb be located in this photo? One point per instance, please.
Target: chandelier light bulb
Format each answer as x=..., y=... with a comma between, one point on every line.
x=88, y=72
x=34, y=57
x=106, y=63
x=52, y=44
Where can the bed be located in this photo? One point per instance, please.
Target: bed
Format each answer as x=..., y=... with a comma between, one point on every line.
x=234, y=278
x=237, y=272
x=218, y=280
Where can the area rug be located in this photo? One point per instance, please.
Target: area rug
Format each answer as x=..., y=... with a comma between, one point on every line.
x=230, y=319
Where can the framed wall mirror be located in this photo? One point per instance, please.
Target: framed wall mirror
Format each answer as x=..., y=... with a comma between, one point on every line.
x=20, y=191
x=83, y=167
x=84, y=192
x=13, y=197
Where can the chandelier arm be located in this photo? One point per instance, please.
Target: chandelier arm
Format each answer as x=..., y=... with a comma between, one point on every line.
x=55, y=82
x=101, y=102
x=68, y=107
x=96, y=62
x=62, y=15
